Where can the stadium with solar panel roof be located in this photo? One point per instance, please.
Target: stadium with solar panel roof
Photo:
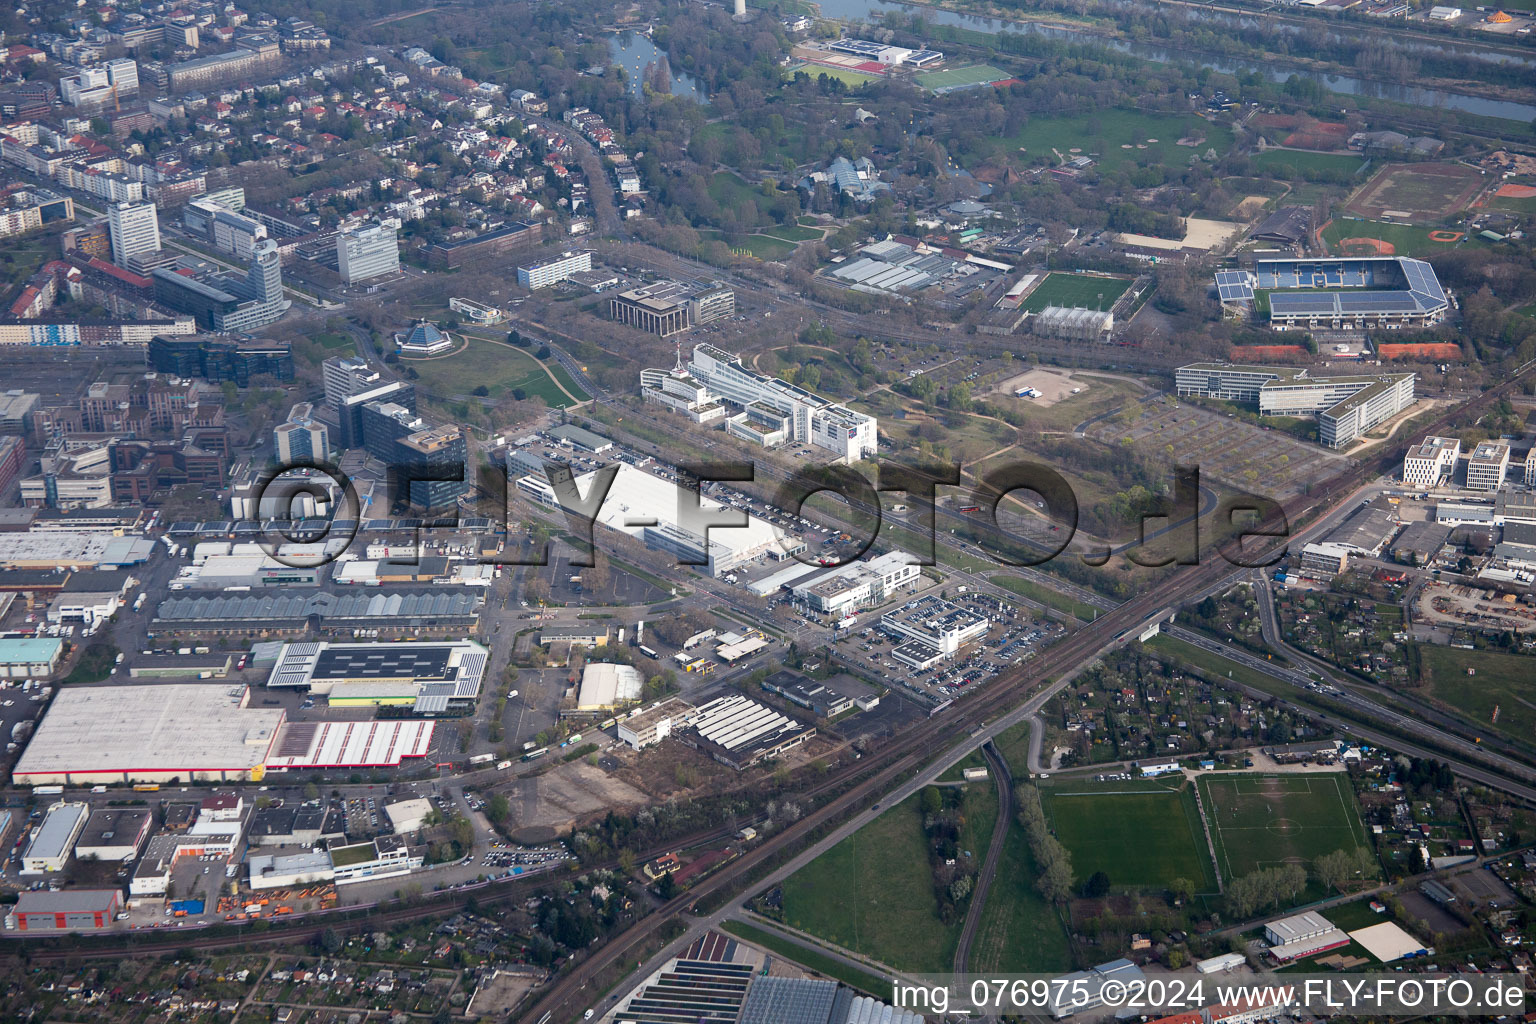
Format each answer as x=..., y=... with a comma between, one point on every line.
x=1336, y=294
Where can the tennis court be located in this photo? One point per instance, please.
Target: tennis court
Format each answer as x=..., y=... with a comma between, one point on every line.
x=955, y=79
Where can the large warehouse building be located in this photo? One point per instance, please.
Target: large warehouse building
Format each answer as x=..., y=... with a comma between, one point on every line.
x=203, y=732
x=114, y=833
x=428, y=676
x=54, y=839
x=1346, y=407
x=646, y=507
x=1336, y=294
x=73, y=910
x=740, y=732
x=149, y=733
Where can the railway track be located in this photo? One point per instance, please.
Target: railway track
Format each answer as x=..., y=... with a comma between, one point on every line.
x=563, y=1001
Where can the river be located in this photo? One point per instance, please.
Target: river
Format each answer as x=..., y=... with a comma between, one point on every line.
x=870, y=10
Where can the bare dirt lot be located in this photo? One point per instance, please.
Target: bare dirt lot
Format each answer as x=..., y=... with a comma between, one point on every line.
x=560, y=798
x=1416, y=192
x=1053, y=386
x=502, y=994
x=1439, y=920
x=1270, y=462
x=1462, y=606
x=1250, y=208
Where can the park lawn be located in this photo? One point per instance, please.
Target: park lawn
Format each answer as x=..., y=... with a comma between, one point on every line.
x=731, y=190
x=764, y=247
x=1262, y=821
x=566, y=380
x=1406, y=239
x=1302, y=160
x=1046, y=596
x=873, y=892
x=818, y=962
x=1013, y=745
x=1019, y=931
x=1077, y=290
x=1502, y=681
x=793, y=233
x=500, y=368
x=790, y=145
x=1140, y=838
x=1101, y=134
x=333, y=341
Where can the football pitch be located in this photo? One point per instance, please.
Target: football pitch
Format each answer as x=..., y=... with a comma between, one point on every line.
x=1142, y=836
x=1263, y=821
x=1075, y=290
x=951, y=79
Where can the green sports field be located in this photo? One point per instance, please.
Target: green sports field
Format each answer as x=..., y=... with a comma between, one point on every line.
x=1303, y=161
x=1405, y=239
x=1141, y=834
x=960, y=78
x=1077, y=290
x=1263, y=821
x=853, y=79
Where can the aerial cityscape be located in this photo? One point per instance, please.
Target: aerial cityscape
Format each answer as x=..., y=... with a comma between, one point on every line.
x=767, y=511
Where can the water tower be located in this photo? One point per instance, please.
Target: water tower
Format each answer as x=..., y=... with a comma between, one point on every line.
x=741, y=8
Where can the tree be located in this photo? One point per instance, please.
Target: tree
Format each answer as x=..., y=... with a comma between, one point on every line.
x=1181, y=889
x=1055, y=881
x=1097, y=886
x=666, y=887
x=329, y=940
x=933, y=800
x=1332, y=870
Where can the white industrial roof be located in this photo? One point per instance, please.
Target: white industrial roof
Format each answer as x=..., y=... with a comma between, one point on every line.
x=53, y=836
x=605, y=686
x=1387, y=942
x=638, y=499
x=735, y=721
x=149, y=728
x=407, y=815
x=66, y=549
x=1299, y=926
x=351, y=744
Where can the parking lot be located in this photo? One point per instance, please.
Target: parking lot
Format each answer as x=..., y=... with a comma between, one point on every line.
x=503, y=856
x=1011, y=639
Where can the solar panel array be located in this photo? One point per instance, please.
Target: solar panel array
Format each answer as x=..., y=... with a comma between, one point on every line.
x=1234, y=285
x=691, y=992
x=1422, y=281
x=369, y=661
x=1381, y=287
